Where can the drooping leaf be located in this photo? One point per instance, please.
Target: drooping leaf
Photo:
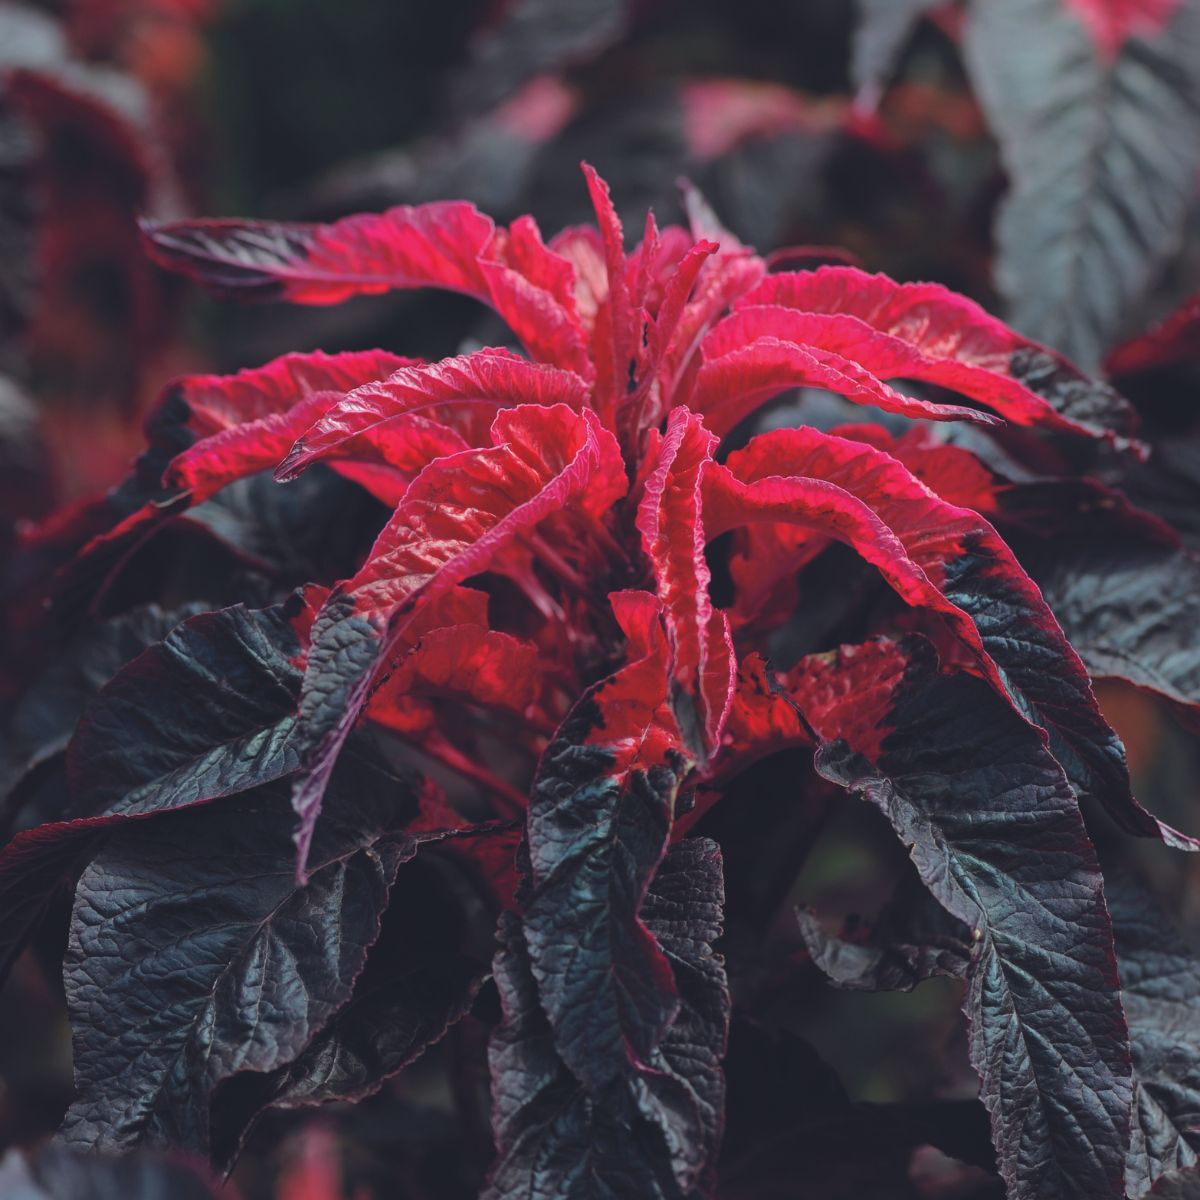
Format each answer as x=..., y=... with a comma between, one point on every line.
x=650, y=1132
x=1160, y=987
x=208, y=432
x=169, y=998
x=1101, y=140
x=732, y=383
x=446, y=245
x=247, y=422
x=949, y=559
x=924, y=332
x=217, y=402
x=431, y=245
x=996, y=835
x=457, y=515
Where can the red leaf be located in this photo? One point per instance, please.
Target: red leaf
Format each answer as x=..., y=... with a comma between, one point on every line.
x=432, y=245
x=733, y=382
x=847, y=693
x=615, y=340
x=583, y=247
x=217, y=402
x=533, y=289
x=669, y=518
x=245, y=423
x=762, y=720
x=460, y=394
x=925, y=332
x=459, y=513
x=469, y=663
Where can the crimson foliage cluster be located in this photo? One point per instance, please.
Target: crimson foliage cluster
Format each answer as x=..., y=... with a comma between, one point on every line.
x=567, y=657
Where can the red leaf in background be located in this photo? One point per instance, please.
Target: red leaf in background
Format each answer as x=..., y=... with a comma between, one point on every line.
x=1174, y=340
x=1112, y=23
x=719, y=114
x=459, y=513
x=461, y=394
x=669, y=518
x=924, y=332
x=315, y=1171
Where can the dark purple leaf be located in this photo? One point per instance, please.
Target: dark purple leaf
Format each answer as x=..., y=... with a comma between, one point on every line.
x=46, y=716
x=1178, y=1185
x=207, y=712
x=1160, y=986
x=996, y=834
x=650, y=1131
x=169, y=998
x=600, y=816
x=203, y=714
x=1129, y=603
x=553, y=1136
x=420, y=977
